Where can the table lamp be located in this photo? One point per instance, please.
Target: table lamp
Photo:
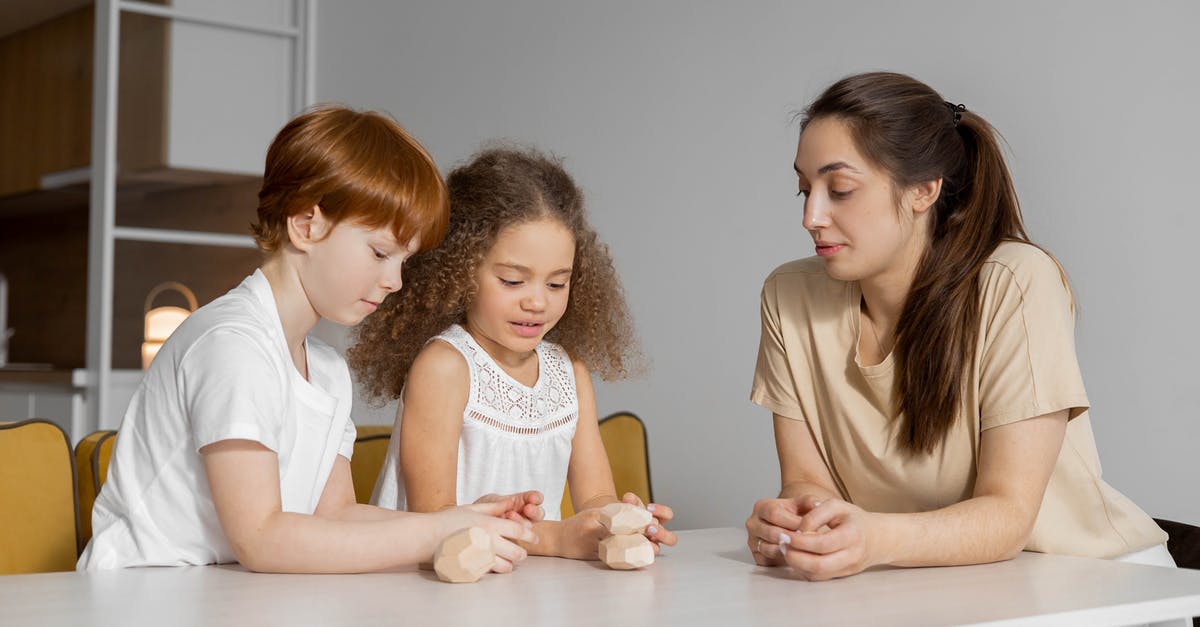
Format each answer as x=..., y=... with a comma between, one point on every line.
x=161, y=322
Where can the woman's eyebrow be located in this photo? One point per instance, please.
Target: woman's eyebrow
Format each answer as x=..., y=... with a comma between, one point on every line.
x=830, y=167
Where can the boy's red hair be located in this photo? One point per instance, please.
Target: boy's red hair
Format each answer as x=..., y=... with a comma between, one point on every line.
x=359, y=166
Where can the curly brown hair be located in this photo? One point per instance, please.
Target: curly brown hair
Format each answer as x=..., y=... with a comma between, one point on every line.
x=498, y=188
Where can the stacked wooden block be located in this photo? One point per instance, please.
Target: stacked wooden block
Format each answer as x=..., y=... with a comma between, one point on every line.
x=467, y=555
x=626, y=548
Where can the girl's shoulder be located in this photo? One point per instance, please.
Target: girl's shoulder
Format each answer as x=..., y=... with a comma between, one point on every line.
x=441, y=360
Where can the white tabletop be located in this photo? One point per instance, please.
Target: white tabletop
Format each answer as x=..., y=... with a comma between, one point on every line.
x=708, y=578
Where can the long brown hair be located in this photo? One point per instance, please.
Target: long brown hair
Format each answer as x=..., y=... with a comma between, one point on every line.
x=912, y=133
x=499, y=187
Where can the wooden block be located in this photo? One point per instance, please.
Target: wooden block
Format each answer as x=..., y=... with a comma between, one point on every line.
x=626, y=552
x=464, y=556
x=624, y=519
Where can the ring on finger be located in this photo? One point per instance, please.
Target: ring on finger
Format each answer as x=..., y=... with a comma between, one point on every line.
x=758, y=547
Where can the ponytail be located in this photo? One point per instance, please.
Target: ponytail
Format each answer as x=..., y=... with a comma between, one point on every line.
x=938, y=329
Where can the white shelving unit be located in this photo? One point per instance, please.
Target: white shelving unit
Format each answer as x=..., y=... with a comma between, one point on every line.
x=225, y=16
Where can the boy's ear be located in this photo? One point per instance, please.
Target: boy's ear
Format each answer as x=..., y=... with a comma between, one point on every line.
x=305, y=227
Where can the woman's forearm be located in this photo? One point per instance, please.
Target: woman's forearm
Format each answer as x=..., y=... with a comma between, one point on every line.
x=978, y=530
x=794, y=489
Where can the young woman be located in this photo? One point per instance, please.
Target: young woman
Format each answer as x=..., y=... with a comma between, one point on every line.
x=921, y=368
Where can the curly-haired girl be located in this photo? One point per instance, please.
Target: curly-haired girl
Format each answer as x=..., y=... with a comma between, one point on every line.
x=522, y=300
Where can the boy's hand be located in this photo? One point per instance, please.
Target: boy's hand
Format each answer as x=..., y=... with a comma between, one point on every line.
x=490, y=516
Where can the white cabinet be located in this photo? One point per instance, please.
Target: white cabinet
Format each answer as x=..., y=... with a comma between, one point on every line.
x=61, y=398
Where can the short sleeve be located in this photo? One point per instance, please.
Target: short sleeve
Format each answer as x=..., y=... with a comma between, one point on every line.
x=232, y=390
x=1028, y=365
x=774, y=387
x=349, y=435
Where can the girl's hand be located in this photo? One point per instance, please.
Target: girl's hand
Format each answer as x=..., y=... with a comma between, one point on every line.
x=834, y=539
x=523, y=506
x=581, y=535
x=657, y=532
x=488, y=516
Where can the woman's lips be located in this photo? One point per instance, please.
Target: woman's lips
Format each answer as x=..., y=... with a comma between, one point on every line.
x=828, y=250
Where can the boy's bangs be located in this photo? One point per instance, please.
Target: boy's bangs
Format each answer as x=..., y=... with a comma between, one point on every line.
x=406, y=195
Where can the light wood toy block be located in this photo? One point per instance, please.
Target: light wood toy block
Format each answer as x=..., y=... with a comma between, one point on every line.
x=464, y=556
x=624, y=519
x=626, y=552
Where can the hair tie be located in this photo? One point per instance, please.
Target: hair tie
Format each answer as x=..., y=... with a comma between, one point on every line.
x=957, y=110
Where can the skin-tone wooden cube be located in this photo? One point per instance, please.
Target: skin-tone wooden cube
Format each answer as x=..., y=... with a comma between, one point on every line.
x=624, y=519
x=626, y=552
x=464, y=556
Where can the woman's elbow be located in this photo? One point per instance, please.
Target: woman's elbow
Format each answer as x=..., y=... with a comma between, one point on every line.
x=1010, y=551
x=1012, y=543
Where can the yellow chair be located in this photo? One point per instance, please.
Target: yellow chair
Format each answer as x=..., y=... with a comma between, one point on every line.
x=38, y=508
x=370, y=449
x=624, y=438
x=92, y=455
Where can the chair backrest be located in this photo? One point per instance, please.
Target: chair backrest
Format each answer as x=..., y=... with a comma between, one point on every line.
x=92, y=455
x=624, y=437
x=1183, y=542
x=370, y=450
x=38, y=509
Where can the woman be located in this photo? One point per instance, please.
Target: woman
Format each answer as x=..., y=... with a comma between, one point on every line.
x=921, y=369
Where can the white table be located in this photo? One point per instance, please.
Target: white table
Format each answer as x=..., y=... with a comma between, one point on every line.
x=707, y=579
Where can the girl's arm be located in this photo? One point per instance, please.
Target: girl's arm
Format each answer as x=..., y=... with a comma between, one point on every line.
x=435, y=397
x=243, y=477
x=591, y=482
x=1015, y=463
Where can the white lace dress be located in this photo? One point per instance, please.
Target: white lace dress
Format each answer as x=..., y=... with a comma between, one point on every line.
x=514, y=437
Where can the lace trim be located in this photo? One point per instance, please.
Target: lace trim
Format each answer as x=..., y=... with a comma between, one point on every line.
x=508, y=404
x=500, y=426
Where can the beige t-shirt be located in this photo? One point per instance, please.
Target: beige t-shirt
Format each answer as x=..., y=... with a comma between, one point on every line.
x=1024, y=366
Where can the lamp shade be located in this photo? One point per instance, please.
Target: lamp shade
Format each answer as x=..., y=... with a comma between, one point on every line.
x=161, y=322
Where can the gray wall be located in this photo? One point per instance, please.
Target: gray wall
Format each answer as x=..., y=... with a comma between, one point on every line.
x=676, y=118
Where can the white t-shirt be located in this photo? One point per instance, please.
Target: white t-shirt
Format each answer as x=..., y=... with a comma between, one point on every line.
x=225, y=374
x=514, y=437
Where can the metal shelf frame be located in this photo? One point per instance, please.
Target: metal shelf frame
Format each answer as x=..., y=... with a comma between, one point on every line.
x=102, y=229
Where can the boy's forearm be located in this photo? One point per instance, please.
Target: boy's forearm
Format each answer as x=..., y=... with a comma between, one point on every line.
x=299, y=543
x=361, y=512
